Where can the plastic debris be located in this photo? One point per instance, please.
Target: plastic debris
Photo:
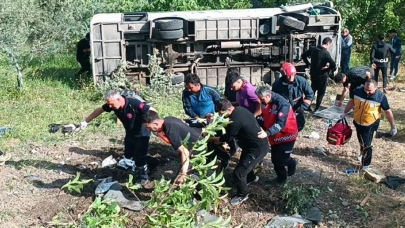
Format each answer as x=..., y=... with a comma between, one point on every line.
x=293, y=221
x=108, y=162
x=314, y=135
x=105, y=185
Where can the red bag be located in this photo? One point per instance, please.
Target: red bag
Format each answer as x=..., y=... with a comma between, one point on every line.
x=340, y=133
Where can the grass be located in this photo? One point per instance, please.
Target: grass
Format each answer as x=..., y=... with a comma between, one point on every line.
x=51, y=95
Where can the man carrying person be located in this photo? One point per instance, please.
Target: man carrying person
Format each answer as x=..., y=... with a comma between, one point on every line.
x=280, y=127
x=173, y=131
x=367, y=103
x=296, y=90
x=395, y=59
x=245, y=129
x=129, y=111
x=245, y=94
x=320, y=66
x=83, y=55
x=354, y=78
x=379, y=59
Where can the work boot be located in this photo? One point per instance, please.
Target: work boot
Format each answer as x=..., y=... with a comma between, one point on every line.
x=292, y=167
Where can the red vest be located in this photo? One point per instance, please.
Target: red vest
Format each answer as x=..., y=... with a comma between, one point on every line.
x=290, y=131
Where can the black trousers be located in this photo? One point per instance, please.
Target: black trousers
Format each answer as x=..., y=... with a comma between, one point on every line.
x=243, y=172
x=85, y=66
x=384, y=75
x=280, y=157
x=300, y=115
x=319, y=84
x=365, y=135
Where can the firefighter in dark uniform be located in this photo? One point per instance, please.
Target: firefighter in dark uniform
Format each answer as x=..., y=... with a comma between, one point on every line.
x=280, y=127
x=320, y=67
x=296, y=90
x=83, y=55
x=379, y=58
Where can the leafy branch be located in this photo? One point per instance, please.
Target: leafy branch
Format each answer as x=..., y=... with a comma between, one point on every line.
x=76, y=184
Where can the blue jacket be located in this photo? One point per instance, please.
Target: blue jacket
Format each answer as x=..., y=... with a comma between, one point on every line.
x=294, y=92
x=396, y=44
x=199, y=105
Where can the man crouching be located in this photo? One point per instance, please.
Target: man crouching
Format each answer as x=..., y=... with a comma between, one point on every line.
x=244, y=128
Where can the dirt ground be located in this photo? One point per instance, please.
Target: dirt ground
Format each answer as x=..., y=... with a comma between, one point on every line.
x=30, y=182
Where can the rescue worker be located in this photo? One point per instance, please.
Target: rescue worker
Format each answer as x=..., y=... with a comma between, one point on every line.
x=395, y=59
x=244, y=128
x=367, y=103
x=320, y=67
x=379, y=59
x=296, y=90
x=129, y=111
x=354, y=78
x=245, y=93
x=83, y=55
x=347, y=44
x=280, y=127
x=173, y=131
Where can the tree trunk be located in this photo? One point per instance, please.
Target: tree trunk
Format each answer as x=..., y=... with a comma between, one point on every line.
x=19, y=72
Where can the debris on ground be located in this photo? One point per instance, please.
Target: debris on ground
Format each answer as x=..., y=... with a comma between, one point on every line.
x=345, y=203
x=105, y=185
x=320, y=150
x=314, y=215
x=116, y=194
x=393, y=182
x=374, y=175
x=364, y=201
x=108, y=162
x=314, y=135
x=293, y=221
x=204, y=217
x=66, y=128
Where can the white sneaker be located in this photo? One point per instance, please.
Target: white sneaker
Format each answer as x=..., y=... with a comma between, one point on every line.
x=366, y=167
x=126, y=163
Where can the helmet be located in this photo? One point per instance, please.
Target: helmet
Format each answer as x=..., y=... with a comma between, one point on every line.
x=288, y=69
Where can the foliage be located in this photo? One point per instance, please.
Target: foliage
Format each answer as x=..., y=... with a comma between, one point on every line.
x=104, y=214
x=175, y=206
x=299, y=198
x=180, y=5
x=117, y=81
x=76, y=184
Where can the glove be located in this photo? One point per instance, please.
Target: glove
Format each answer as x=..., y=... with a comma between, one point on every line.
x=394, y=131
x=83, y=124
x=343, y=115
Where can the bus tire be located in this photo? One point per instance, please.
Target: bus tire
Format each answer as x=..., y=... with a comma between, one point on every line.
x=168, y=25
x=169, y=35
x=291, y=22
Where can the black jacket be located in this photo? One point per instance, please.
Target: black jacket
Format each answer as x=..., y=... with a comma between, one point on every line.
x=380, y=52
x=294, y=92
x=319, y=58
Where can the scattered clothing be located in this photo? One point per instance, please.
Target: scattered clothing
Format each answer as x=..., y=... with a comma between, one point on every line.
x=393, y=182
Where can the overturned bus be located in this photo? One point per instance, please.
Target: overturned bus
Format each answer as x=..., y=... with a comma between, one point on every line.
x=256, y=41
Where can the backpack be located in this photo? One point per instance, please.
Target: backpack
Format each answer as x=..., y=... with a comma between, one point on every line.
x=340, y=133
